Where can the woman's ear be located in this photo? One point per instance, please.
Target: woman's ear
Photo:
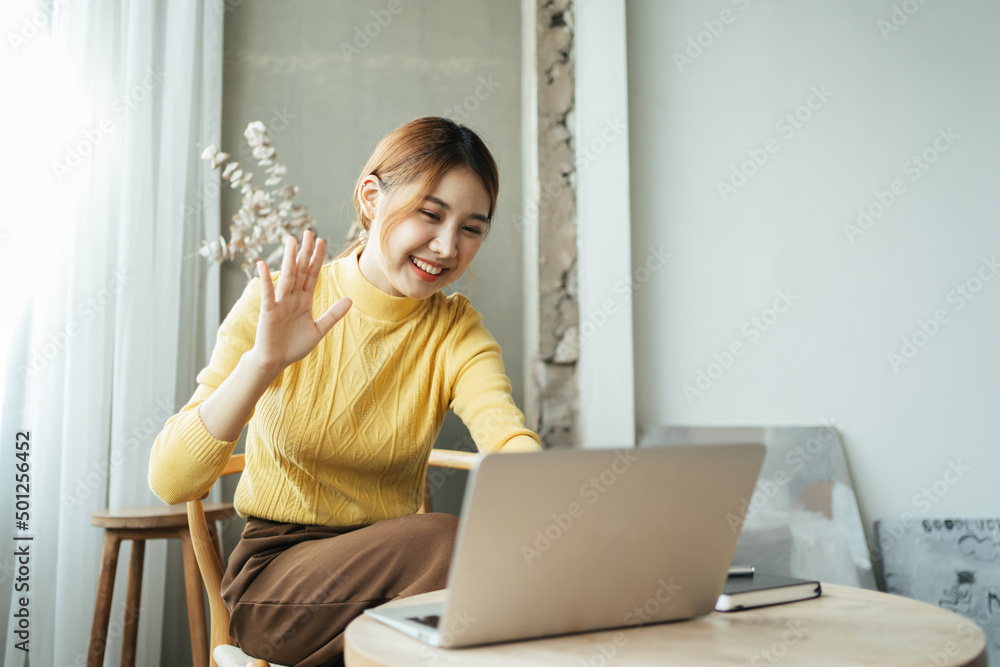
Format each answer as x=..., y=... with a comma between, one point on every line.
x=368, y=194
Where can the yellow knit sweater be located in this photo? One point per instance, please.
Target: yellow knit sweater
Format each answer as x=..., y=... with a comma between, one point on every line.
x=342, y=436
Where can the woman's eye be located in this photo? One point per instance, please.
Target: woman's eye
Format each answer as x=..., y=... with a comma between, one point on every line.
x=474, y=230
x=431, y=214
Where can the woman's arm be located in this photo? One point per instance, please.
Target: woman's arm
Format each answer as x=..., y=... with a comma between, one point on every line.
x=227, y=410
x=481, y=390
x=268, y=329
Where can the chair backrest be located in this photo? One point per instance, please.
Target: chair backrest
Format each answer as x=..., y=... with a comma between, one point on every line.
x=207, y=550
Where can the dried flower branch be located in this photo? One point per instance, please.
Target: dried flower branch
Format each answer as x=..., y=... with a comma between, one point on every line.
x=262, y=218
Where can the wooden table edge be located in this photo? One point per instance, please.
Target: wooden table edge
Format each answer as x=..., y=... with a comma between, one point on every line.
x=835, y=592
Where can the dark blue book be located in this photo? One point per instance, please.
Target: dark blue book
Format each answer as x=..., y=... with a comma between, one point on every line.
x=762, y=590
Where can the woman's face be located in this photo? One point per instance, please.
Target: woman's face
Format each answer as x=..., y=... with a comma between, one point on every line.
x=432, y=246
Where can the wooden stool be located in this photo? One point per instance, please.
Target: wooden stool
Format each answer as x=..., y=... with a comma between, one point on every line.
x=140, y=524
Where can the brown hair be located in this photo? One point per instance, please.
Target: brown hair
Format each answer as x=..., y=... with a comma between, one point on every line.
x=419, y=153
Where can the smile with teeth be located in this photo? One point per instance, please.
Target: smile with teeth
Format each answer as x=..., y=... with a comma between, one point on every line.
x=424, y=266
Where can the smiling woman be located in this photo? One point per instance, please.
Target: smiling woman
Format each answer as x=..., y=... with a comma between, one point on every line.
x=344, y=372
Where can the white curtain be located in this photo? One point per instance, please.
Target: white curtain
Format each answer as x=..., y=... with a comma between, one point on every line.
x=122, y=311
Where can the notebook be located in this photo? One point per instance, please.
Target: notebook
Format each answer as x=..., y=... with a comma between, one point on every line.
x=761, y=590
x=570, y=541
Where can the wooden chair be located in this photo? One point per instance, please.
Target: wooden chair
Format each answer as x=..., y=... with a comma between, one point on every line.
x=223, y=652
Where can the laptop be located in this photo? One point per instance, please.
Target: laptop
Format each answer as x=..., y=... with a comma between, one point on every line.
x=569, y=541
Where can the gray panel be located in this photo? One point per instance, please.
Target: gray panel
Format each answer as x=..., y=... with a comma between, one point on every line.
x=951, y=563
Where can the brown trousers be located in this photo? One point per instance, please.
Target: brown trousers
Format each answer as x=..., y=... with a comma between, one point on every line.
x=292, y=589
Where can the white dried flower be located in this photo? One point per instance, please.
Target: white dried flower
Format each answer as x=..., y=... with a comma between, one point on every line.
x=263, y=152
x=255, y=134
x=261, y=219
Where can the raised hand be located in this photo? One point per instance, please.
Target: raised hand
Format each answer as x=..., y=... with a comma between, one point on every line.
x=286, y=331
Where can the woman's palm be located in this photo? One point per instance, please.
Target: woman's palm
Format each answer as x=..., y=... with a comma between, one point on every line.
x=286, y=331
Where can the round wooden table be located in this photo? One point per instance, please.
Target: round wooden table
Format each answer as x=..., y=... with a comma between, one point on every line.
x=846, y=626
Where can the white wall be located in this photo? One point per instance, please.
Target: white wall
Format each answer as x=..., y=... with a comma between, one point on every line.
x=826, y=356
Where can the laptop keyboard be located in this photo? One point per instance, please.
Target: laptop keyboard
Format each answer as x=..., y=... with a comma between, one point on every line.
x=431, y=620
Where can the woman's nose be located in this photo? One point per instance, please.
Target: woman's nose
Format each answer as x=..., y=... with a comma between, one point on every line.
x=444, y=244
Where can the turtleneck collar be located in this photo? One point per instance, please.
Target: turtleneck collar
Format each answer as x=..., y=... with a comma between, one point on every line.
x=368, y=299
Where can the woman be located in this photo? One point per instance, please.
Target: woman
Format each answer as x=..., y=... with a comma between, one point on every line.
x=344, y=373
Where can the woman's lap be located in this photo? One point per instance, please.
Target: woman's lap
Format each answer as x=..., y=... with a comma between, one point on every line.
x=293, y=589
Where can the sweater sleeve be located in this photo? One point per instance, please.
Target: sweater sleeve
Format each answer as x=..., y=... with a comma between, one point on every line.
x=186, y=459
x=481, y=391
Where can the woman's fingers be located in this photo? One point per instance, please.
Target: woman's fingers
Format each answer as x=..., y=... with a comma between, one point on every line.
x=299, y=271
x=302, y=274
x=333, y=315
x=266, y=286
x=315, y=264
x=286, y=281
